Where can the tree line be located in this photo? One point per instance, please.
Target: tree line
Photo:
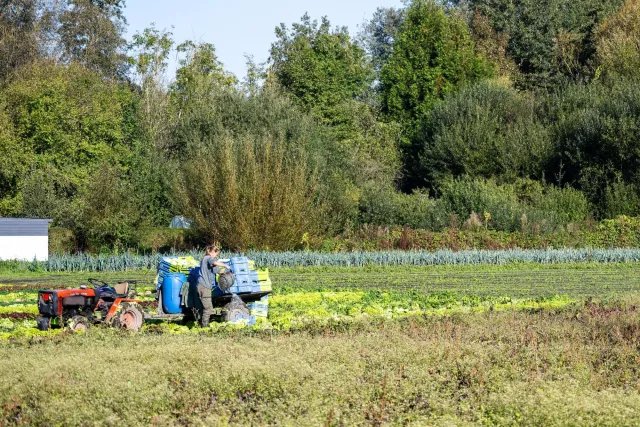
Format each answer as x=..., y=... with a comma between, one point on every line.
x=495, y=111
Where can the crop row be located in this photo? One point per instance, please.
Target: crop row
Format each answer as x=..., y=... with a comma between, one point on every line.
x=131, y=262
x=295, y=311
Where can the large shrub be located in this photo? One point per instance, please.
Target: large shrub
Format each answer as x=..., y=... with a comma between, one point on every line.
x=596, y=131
x=256, y=172
x=477, y=203
x=251, y=192
x=485, y=130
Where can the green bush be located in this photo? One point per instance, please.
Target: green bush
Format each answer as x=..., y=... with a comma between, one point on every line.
x=388, y=207
x=496, y=205
x=61, y=240
x=596, y=129
x=160, y=239
x=621, y=199
x=477, y=203
x=487, y=130
x=108, y=213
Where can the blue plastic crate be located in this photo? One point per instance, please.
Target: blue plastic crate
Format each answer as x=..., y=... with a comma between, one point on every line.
x=254, y=275
x=258, y=306
x=241, y=289
x=242, y=280
x=240, y=268
x=239, y=260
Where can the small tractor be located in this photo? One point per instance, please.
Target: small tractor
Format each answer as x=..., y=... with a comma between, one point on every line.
x=113, y=306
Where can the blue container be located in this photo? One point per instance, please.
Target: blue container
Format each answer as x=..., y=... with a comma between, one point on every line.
x=253, y=274
x=242, y=280
x=171, y=292
x=239, y=260
x=240, y=268
x=255, y=287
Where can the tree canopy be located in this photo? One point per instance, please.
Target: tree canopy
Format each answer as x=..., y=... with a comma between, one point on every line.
x=436, y=113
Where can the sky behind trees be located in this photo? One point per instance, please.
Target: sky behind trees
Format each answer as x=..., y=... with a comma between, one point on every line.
x=242, y=27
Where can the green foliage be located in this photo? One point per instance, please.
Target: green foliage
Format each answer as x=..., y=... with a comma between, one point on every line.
x=321, y=68
x=386, y=207
x=621, y=199
x=108, y=212
x=152, y=48
x=232, y=187
x=379, y=34
x=327, y=74
x=91, y=33
x=485, y=130
x=617, y=41
x=13, y=165
x=552, y=41
x=476, y=203
x=433, y=54
x=596, y=132
x=199, y=76
x=327, y=128
x=18, y=34
x=67, y=120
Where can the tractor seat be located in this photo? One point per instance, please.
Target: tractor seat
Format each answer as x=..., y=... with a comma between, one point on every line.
x=122, y=289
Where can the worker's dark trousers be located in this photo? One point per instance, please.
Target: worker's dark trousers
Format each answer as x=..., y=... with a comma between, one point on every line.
x=207, y=306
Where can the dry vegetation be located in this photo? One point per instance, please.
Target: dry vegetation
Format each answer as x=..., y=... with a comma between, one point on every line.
x=575, y=365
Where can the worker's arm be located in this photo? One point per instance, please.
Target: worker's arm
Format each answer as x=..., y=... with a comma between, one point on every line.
x=221, y=264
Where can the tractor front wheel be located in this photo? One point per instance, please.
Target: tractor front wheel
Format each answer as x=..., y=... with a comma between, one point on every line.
x=43, y=323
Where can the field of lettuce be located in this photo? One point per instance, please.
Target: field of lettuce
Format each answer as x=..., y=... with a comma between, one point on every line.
x=316, y=296
x=510, y=344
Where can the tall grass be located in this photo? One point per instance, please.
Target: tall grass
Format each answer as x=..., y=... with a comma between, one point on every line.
x=129, y=262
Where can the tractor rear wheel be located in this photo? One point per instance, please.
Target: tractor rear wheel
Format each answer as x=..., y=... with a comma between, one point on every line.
x=233, y=309
x=79, y=323
x=130, y=317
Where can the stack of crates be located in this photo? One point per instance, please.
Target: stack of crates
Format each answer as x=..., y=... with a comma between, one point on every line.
x=260, y=280
x=175, y=265
x=260, y=308
x=261, y=283
x=242, y=284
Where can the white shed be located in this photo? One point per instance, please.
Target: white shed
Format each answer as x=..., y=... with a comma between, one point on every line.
x=24, y=239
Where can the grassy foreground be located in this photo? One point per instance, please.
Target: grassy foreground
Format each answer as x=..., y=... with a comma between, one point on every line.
x=523, y=344
x=574, y=365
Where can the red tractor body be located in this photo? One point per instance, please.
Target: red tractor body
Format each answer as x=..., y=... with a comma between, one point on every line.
x=78, y=308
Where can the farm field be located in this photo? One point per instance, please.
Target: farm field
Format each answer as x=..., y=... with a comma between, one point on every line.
x=521, y=344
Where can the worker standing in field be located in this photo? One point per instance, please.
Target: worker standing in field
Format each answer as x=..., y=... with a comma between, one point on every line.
x=209, y=267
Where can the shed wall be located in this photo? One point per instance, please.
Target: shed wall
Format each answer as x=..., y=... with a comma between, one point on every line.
x=24, y=248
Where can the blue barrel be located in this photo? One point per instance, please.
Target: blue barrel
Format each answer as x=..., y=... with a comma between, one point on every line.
x=171, y=292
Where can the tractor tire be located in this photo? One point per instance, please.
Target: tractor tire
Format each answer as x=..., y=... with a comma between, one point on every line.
x=233, y=309
x=130, y=317
x=79, y=323
x=43, y=323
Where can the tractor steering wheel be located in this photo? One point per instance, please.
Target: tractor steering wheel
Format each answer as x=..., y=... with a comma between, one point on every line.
x=96, y=283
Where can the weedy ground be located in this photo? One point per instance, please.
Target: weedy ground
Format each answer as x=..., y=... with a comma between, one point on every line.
x=576, y=365
x=339, y=354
